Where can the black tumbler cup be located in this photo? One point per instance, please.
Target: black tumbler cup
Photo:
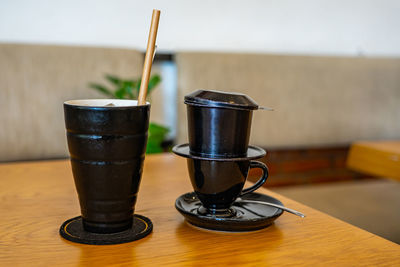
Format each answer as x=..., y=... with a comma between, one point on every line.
x=107, y=143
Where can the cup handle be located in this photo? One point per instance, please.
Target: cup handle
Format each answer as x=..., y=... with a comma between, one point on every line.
x=261, y=181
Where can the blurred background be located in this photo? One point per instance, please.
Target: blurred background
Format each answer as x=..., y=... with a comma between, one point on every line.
x=330, y=70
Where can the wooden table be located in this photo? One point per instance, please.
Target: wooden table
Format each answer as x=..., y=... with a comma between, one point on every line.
x=377, y=158
x=36, y=197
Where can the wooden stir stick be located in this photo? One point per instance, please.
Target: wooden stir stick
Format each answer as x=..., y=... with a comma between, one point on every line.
x=148, y=60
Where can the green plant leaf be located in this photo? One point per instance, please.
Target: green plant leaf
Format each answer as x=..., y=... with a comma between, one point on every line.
x=137, y=87
x=101, y=89
x=153, y=147
x=113, y=79
x=157, y=129
x=120, y=93
x=127, y=85
x=153, y=82
x=157, y=135
x=129, y=82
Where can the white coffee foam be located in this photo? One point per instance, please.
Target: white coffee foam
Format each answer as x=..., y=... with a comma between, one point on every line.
x=103, y=102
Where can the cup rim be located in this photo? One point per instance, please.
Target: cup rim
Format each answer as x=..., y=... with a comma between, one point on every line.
x=253, y=152
x=102, y=103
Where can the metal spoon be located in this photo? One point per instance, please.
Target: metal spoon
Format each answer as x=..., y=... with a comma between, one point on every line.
x=272, y=205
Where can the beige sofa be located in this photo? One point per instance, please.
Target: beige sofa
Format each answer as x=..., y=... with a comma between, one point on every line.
x=318, y=101
x=35, y=80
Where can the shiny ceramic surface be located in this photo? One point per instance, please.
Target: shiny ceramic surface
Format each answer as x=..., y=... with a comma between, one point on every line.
x=218, y=132
x=218, y=183
x=107, y=146
x=253, y=152
x=219, y=123
x=249, y=216
x=212, y=98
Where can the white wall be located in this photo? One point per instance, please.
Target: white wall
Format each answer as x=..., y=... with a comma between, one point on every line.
x=352, y=27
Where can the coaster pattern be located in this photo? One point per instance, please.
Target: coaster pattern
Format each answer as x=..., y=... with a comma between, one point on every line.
x=72, y=230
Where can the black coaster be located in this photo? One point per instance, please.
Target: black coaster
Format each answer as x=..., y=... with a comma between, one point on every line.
x=72, y=230
x=249, y=216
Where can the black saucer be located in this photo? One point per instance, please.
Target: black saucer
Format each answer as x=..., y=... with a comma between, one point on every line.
x=72, y=230
x=253, y=152
x=249, y=216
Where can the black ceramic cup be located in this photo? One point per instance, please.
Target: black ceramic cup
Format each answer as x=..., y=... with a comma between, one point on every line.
x=107, y=143
x=218, y=183
x=219, y=123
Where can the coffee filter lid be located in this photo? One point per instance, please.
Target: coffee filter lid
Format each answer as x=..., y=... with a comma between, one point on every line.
x=220, y=99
